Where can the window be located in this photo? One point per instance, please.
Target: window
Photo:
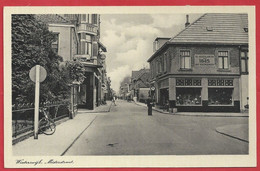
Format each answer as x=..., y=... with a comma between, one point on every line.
x=162, y=64
x=83, y=17
x=88, y=48
x=159, y=66
x=88, y=45
x=185, y=59
x=244, y=62
x=223, y=60
x=165, y=62
x=220, y=96
x=188, y=96
x=94, y=19
x=87, y=18
x=55, y=44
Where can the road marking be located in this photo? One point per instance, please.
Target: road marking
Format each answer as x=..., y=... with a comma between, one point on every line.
x=78, y=137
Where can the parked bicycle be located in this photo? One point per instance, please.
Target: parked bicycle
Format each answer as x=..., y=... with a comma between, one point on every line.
x=46, y=125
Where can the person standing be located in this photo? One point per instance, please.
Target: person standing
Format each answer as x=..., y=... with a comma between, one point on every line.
x=149, y=105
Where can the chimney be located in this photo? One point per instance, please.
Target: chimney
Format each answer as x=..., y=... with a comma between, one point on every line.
x=187, y=21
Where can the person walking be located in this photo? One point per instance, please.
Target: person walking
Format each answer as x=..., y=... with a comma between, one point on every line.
x=114, y=100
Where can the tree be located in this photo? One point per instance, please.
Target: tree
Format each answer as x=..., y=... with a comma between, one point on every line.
x=31, y=45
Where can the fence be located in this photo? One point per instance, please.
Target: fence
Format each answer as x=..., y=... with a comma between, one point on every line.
x=23, y=115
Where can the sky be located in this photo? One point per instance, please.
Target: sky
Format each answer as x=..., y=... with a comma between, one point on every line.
x=129, y=40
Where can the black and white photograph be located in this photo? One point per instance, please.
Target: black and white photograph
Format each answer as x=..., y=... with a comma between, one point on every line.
x=158, y=86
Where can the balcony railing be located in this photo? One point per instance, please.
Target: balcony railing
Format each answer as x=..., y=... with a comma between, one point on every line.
x=86, y=27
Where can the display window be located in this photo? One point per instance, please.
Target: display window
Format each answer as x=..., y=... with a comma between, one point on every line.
x=188, y=96
x=220, y=96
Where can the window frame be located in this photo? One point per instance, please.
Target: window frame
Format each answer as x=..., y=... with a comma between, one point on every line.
x=223, y=60
x=246, y=58
x=57, y=34
x=165, y=62
x=183, y=57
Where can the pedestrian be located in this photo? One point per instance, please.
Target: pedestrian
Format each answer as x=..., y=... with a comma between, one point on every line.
x=149, y=105
x=114, y=100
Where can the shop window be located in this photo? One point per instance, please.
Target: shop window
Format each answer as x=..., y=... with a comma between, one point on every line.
x=244, y=62
x=220, y=82
x=188, y=96
x=188, y=82
x=55, y=44
x=223, y=60
x=185, y=59
x=220, y=96
x=180, y=82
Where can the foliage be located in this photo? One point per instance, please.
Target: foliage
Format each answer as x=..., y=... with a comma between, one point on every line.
x=31, y=45
x=73, y=72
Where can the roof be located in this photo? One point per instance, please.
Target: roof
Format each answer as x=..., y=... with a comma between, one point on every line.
x=216, y=28
x=212, y=28
x=137, y=74
x=166, y=38
x=51, y=18
x=144, y=79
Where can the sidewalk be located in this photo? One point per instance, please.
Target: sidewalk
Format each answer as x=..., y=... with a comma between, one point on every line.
x=66, y=134
x=239, y=131
x=208, y=114
x=56, y=144
x=99, y=109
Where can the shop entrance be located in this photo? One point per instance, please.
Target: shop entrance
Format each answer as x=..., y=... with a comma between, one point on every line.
x=164, y=96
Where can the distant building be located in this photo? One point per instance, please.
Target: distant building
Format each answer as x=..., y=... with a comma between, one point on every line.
x=205, y=66
x=140, y=86
x=124, y=91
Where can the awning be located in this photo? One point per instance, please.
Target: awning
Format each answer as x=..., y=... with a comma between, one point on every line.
x=91, y=65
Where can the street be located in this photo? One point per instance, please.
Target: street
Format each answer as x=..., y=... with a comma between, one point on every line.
x=128, y=130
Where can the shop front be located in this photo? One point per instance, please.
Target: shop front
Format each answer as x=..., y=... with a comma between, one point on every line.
x=204, y=94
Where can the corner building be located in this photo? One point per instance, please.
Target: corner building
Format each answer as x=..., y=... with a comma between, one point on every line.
x=204, y=68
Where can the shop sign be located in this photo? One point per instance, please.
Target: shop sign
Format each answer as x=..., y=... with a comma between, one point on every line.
x=203, y=59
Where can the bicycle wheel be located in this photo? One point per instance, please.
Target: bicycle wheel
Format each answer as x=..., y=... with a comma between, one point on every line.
x=47, y=126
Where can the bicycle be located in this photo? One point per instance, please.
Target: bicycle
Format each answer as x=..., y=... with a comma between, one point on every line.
x=46, y=125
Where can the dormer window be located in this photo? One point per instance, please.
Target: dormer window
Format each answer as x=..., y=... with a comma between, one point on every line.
x=246, y=29
x=209, y=28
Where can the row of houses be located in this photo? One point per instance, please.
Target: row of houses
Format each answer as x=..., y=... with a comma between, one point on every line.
x=136, y=87
x=78, y=39
x=205, y=66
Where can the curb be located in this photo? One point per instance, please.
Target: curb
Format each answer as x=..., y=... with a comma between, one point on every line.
x=231, y=136
x=197, y=115
x=31, y=133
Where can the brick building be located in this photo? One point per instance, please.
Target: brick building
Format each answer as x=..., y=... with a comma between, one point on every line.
x=205, y=66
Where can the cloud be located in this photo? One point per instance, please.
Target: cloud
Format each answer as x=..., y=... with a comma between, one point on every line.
x=167, y=21
x=129, y=40
x=117, y=75
x=129, y=46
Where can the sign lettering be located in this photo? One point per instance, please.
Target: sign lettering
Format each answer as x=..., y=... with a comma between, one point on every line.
x=202, y=59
